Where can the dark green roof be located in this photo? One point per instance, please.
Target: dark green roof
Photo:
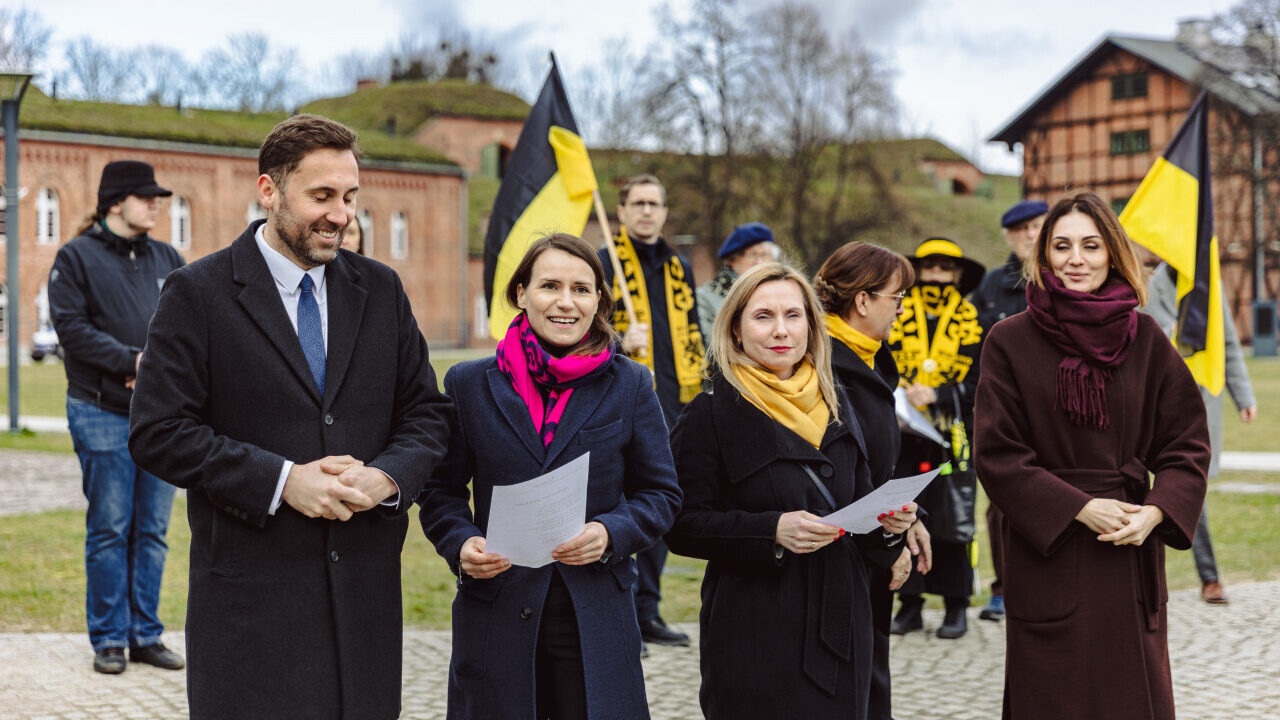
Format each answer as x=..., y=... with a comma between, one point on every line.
x=413, y=103
x=191, y=125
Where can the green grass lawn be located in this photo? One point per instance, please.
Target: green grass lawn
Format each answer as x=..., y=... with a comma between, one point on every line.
x=43, y=389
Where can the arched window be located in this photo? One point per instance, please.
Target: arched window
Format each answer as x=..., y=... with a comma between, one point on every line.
x=366, y=227
x=399, y=236
x=48, y=228
x=180, y=223
x=255, y=212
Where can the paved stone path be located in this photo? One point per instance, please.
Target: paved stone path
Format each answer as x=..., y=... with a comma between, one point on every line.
x=1226, y=664
x=1226, y=660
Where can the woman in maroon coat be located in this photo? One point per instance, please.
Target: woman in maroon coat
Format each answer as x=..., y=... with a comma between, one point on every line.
x=1081, y=398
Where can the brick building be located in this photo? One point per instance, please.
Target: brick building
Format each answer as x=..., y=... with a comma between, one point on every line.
x=1103, y=122
x=413, y=202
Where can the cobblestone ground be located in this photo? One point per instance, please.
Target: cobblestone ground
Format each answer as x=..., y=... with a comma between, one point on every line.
x=39, y=481
x=1226, y=664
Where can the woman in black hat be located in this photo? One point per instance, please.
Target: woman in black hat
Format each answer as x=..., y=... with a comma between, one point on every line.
x=935, y=343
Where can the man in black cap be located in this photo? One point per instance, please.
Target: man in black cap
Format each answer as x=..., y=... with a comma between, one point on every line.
x=103, y=290
x=747, y=246
x=1003, y=292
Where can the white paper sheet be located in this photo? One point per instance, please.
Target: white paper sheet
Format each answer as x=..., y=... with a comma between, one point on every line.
x=914, y=421
x=861, y=516
x=530, y=519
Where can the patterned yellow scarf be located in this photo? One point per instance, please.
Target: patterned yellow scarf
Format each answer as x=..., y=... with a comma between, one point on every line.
x=862, y=346
x=686, y=338
x=946, y=357
x=795, y=403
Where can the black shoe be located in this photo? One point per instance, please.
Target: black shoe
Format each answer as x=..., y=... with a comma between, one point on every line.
x=908, y=617
x=655, y=631
x=109, y=661
x=158, y=655
x=644, y=650
x=955, y=624
x=994, y=609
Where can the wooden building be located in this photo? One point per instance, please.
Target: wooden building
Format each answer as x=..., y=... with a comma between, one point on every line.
x=1102, y=123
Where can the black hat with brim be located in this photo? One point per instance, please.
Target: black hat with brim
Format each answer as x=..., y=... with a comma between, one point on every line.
x=122, y=178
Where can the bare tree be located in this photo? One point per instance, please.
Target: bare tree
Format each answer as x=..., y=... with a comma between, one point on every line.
x=158, y=75
x=607, y=99
x=98, y=72
x=249, y=75
x=24, y=39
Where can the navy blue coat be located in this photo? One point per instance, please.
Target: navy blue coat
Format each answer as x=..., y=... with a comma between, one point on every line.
x=632, y=491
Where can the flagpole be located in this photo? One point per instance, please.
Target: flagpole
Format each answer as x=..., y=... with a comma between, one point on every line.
x=603, y=219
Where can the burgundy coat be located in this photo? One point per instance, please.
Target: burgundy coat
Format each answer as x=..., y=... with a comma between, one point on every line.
x=1087, y=634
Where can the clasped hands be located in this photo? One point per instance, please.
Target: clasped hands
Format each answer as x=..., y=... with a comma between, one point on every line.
x=587, y=548
x=1119, y=522
x=335, y=487
x=803, y=532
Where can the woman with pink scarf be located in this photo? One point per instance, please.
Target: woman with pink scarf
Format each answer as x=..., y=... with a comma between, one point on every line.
x=558, y=641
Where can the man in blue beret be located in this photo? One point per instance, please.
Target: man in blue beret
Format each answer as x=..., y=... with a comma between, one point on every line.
x=1003, y=292
x=747, y=246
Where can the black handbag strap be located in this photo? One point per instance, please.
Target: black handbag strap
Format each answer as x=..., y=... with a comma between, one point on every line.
x=826, y=494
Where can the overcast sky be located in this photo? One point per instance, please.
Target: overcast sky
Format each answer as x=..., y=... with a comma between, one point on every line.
x=963, y=66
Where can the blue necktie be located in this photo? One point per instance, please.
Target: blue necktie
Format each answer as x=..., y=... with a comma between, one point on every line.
x=309, y=331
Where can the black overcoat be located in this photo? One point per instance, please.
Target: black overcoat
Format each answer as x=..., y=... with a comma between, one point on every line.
x=287, y=616
x=782, y=635
x=631, y=490
x=870, y=394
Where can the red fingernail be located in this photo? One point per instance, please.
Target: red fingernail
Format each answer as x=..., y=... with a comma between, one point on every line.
x=904, y=508
x=882, y=516
x=890, y=513
x=841, y=533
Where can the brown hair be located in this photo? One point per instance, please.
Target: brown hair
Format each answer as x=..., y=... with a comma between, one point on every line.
x=860, y=267
x=601, y=333
x=293, y=139
x=726, y=352
x=642, y=179
x=1125, y=264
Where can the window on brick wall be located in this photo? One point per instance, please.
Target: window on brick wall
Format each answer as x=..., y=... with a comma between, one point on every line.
x=1131, y=85
x=1117, y=205
x=366, y=227
x=399, y=236
x=1130, y=142
x=180, y=223
x=48, y=217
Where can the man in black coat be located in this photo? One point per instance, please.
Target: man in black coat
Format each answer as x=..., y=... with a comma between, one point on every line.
x=103, y=290
x=1003, y=292
x=286, y=385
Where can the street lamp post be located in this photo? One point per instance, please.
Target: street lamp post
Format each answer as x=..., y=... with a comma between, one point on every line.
x=13, y=85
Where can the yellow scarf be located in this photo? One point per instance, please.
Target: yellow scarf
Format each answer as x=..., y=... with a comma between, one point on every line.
x=686, y=337
x=863, y=346
x=795, y=403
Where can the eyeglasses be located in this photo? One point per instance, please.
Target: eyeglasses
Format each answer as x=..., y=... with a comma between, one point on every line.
x=896, y=298
x=643, y=204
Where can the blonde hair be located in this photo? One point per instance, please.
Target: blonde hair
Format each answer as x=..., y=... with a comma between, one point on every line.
x=1125, y=264
x=725, y=352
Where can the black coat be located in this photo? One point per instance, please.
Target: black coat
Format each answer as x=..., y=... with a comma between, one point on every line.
x=287, y=616
x=1002, y=292
x=782, y=635
x=870, y=394
x=103, y=291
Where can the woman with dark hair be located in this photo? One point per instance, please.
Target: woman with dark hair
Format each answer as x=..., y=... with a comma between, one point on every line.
x=936, y=344
x=353, y=236
x=1083, y=401
x=558, y=641
x=861, y=287
x=786, y=614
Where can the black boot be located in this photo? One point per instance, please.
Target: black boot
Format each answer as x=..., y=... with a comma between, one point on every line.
x=908, y=617
x=956, y=623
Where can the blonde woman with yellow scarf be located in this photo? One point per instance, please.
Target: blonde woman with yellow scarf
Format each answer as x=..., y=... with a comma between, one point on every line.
x=786, y=628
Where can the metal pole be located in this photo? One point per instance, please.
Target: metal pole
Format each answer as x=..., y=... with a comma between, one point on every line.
x=14, y=305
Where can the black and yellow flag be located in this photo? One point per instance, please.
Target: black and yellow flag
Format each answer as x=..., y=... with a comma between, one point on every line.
x=1171, y=214
x=547, y=188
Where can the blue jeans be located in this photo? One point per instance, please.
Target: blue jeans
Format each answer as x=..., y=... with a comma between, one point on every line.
x=124, y=546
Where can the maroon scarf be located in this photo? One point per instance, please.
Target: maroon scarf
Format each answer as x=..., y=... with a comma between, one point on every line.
x=530, y=367
x=1094, y=331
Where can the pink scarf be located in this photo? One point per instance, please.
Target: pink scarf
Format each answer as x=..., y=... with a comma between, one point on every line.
x=531, y=368
x=1094, y=331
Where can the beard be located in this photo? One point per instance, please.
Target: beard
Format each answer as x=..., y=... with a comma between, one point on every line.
x=297, y=237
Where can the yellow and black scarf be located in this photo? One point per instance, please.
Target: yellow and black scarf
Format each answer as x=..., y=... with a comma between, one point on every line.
x=944, y=355
x=682, y=318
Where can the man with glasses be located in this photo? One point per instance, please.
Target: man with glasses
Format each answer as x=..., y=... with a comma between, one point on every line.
x=103, y=290
x=665, y=337
x=747, y=246
x=1003, y=292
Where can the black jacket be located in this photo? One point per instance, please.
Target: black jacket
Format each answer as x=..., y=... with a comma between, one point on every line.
x=1002, y=293
x=103, y=290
